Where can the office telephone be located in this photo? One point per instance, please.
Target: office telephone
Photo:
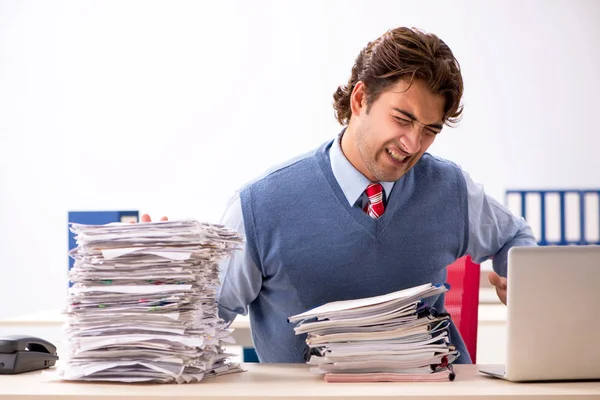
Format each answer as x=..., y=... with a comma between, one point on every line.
x=20, y=353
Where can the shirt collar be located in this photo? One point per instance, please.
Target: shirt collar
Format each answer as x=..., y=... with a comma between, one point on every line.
x=351, y=181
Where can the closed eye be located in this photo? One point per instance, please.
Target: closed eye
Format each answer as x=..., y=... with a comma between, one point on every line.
x=403, y=121
x=431, y=131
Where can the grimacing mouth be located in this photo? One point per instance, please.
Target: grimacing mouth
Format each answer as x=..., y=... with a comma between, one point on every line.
x=401, y=158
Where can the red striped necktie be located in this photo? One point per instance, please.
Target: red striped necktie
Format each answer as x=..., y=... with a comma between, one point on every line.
x=375, y=207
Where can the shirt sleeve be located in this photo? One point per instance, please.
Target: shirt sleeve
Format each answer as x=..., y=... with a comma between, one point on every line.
x=493, y=229
x=240, y=278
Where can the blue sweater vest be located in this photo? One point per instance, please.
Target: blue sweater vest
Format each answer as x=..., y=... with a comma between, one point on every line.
x=312, y=247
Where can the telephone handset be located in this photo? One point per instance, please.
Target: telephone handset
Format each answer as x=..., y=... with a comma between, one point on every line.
x=19, y=353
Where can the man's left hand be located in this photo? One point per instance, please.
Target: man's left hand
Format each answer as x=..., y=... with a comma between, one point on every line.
x=500, y=284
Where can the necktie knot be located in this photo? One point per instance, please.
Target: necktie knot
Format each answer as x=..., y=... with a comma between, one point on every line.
x=375, y=207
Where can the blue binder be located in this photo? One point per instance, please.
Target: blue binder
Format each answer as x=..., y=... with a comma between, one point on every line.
x=561, y=216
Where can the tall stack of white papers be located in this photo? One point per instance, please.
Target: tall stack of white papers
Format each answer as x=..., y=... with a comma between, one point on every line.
x=393, y=337
x=142, y=307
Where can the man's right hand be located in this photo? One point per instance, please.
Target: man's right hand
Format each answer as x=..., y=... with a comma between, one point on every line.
x=146, y=218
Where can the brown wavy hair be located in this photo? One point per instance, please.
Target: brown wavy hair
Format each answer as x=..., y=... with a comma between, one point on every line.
x=404, y=53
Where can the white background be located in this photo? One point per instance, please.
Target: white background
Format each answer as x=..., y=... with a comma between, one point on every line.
x=168, y=107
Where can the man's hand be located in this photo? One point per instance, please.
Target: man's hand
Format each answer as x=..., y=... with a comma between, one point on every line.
x=146, y=218
x=500, y=284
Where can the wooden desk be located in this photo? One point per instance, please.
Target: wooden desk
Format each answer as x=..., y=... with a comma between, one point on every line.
x=291, y=381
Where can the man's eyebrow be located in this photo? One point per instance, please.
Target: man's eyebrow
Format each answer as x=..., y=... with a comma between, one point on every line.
x=411, y=116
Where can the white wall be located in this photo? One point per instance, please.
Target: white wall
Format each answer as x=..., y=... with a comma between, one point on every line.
x=168, y=107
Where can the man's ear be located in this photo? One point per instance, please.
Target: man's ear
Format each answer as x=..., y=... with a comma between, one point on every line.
x=358, y=98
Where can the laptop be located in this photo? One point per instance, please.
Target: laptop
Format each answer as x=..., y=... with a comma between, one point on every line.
x=553, y=321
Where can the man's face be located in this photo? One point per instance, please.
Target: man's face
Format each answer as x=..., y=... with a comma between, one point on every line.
x=399, y=127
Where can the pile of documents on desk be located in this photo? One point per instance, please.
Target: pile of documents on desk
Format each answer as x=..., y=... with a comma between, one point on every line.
x=393, y=337
x=142, y=307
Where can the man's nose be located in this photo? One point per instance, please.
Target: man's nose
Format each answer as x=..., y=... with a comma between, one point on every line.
x=411, y=140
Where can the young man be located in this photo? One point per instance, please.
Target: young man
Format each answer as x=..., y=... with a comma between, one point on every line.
x=369, y=212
